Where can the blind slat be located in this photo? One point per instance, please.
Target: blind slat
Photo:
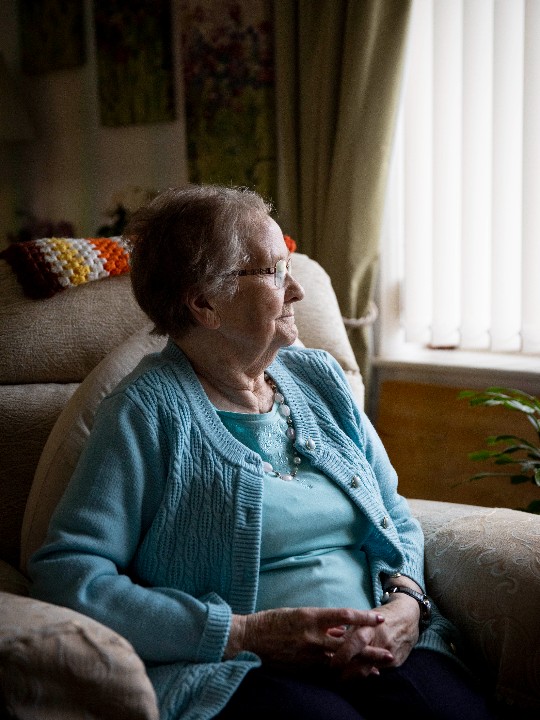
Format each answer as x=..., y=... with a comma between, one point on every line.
x=417, y=164
x=446, y=231
x=531, y=180
x=476, y=185
x=507, y=177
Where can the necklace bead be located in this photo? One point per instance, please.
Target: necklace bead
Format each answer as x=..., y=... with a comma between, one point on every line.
x=285, y=410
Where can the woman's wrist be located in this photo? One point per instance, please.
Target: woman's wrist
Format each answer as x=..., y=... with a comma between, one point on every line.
x=235, y=643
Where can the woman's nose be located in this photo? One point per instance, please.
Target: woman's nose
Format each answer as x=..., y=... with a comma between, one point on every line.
x=294, y=292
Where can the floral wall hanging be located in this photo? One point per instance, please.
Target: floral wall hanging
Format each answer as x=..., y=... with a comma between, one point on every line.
x=229, y=92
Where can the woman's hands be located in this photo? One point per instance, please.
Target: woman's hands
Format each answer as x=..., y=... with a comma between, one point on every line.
x=305, y=636
x=353, y=642
x=397, y=635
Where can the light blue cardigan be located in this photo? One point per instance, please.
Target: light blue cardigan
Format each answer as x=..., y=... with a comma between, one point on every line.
x=158, y=534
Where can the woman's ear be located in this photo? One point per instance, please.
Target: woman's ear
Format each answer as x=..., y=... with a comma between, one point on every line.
x=202, y=310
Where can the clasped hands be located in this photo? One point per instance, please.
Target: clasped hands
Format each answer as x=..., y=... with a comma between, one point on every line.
x=353, y=642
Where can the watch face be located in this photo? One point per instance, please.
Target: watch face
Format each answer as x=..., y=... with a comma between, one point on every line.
x=425, y=611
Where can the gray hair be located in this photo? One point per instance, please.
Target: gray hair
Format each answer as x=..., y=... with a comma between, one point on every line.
x=191, y=236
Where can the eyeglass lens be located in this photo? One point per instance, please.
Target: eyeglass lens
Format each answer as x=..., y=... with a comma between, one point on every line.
x=282, y=268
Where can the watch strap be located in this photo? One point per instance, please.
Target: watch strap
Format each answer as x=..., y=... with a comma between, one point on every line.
x=421, y=598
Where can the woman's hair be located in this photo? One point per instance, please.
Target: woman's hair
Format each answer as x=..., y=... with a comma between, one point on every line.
x=190, y=237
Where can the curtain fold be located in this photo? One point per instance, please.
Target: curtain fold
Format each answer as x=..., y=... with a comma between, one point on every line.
x=338, y=78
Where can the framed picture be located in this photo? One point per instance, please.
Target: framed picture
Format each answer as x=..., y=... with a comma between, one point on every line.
x=134, y=61
x=51, y=35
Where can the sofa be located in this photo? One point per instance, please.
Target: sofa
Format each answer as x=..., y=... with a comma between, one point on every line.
x=59, y=356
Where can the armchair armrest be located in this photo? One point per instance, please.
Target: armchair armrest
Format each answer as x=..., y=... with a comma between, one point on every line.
x=58, y=663
x=482, y=569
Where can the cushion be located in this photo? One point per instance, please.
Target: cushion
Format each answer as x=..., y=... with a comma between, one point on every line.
x=483, y=571
x=62, y=338
x=319, y=320
x=57, y=663
x=49, y=265
x=28, y=415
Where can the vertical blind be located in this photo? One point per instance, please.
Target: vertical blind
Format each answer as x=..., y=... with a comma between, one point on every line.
x=468, y=160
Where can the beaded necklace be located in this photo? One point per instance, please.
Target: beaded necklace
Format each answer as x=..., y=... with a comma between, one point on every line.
x=285, y=411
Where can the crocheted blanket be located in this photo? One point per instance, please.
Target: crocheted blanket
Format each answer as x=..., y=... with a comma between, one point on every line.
x=46, y=266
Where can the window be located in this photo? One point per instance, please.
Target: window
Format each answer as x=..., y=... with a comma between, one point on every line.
x=461, y=250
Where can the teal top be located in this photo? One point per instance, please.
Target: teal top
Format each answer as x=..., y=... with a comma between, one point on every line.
x=312, y=534
x=159, y=533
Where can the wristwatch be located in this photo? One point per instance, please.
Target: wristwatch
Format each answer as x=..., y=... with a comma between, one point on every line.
x=422, y=600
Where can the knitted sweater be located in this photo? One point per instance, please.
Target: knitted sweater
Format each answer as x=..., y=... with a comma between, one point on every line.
x=158, y=534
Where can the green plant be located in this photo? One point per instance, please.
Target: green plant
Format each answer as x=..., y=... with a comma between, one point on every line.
x=515, y=451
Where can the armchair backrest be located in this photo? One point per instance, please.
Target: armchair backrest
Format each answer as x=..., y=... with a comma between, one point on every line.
x=62, y=338
x=66, y=352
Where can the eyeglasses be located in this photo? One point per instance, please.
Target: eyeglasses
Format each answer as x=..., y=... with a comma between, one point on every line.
x=279, y=271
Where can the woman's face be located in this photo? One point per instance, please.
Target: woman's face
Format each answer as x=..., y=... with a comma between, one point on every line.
x=259, y=319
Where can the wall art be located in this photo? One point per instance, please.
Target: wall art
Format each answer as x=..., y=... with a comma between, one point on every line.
x=134, y=61
x=227, y=50
x=51, y=35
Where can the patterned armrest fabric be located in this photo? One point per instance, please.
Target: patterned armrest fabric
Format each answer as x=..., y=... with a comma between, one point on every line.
x=483, y=571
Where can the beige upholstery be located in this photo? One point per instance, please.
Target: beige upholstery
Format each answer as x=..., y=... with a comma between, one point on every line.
x=28, y=413
x=47, y=347
x=483, y=570
x=40, y=645
x=481, y=564
x=49, y=342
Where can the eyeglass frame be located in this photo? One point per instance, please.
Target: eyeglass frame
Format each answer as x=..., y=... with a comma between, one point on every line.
x=285, y=264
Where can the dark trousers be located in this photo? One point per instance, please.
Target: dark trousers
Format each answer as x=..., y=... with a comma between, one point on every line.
x=428, y=686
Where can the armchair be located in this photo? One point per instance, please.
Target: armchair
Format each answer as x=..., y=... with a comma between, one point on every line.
x=58, y=357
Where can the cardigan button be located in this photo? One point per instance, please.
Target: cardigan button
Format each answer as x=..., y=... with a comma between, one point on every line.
x=384, y=522
x=310, y=444
x=355, y=481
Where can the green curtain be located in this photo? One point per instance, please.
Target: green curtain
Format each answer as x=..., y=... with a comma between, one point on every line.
x=338, y=77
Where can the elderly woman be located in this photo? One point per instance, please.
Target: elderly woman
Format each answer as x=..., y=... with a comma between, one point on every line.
x=234, y=514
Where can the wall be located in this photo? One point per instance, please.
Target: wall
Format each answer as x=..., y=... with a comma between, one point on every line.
x=74, y=165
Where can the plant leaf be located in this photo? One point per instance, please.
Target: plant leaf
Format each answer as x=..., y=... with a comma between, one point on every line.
x=533, y=507
x=508, y=397
x=520, y=479
x=482, y=454
x=481, y=475
x=492, y=439
x=503, y=459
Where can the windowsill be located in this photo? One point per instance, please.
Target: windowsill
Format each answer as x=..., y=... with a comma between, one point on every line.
x=460, y=368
